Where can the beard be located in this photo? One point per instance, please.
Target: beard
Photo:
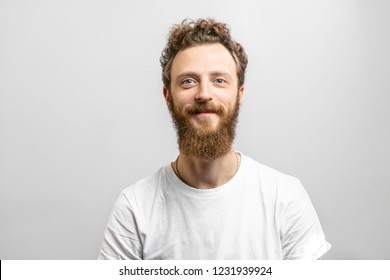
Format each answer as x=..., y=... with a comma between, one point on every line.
x=204, y=141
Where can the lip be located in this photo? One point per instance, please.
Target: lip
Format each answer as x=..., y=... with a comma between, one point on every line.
x=205, y=114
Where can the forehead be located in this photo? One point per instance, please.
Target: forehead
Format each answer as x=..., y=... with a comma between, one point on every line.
x=204, y=59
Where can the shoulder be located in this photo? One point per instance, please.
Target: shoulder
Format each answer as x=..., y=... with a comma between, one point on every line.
x=141, y=194
x=283, y=187
x=146, y=187
x=270, y=176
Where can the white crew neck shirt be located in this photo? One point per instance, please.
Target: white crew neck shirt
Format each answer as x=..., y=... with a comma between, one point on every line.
x=259, y=214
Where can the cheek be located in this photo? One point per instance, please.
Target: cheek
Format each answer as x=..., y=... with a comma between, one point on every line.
x=229, y=100
x=176, y=105
x=181, y=99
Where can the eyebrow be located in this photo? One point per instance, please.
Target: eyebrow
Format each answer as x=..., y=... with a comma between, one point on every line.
x=194, y=74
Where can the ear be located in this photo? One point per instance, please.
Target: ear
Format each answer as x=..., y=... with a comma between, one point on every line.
x=167, y=97
x=241, y=94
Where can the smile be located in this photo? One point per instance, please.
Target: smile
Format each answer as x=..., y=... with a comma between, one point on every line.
x=205, y=114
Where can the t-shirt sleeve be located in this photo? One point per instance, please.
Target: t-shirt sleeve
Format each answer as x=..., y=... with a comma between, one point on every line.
x=301, y=233
x=121, y=238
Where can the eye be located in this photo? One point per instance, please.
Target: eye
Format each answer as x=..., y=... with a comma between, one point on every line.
x=220, y=81
x=188, y=82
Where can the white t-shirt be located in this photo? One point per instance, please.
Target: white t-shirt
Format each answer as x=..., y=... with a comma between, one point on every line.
x=259, y=214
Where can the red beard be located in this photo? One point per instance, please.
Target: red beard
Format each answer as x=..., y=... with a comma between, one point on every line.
x=205, y=142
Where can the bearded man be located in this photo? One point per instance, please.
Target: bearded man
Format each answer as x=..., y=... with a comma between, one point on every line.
x=211, y=202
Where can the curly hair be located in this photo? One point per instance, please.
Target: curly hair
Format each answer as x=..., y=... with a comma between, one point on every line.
x=191, y=33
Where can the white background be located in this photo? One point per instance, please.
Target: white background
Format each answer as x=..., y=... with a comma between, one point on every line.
x=82, y=114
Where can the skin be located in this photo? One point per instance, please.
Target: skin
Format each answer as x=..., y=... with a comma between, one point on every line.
x=205, y=73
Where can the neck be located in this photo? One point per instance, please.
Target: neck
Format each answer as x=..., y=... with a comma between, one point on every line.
x=206, y=174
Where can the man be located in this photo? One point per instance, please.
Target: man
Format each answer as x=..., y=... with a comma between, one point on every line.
x=211, y=202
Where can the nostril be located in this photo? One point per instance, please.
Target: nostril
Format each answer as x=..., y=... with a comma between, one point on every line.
x=203, y=98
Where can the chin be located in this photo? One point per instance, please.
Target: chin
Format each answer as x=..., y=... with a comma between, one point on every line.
x=209, y=123
x=206, y=125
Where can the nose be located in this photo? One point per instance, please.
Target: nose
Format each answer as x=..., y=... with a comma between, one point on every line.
x=203, y=94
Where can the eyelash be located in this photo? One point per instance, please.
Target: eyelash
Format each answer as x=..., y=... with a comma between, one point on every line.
x=187, y=81
x=221, y=81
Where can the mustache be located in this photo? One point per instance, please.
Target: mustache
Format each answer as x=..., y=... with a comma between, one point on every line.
x=198, y=108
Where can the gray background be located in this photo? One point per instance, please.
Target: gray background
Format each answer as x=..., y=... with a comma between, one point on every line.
x=82, y=114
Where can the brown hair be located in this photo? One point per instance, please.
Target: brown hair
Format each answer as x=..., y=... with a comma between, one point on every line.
x=191, y=33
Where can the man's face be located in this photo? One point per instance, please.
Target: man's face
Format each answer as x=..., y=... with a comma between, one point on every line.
x=204, y=100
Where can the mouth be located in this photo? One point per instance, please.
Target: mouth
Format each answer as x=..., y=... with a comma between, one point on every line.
x=204, y=113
